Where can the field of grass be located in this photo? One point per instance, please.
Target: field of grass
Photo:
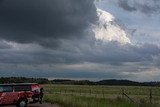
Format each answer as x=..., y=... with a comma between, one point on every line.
x=101, y=96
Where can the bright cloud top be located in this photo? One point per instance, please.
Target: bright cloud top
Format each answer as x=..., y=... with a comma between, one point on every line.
x=108, y=29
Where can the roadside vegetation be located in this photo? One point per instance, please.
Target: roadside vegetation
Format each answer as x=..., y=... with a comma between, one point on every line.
x=101, y=96
x=85, y=101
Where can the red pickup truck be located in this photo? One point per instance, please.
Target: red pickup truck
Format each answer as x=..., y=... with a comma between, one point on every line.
x=19, y=94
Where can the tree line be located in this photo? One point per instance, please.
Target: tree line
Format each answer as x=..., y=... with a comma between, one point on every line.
x=5, y=80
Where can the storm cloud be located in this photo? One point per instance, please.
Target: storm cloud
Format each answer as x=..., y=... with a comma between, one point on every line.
x=74, y=52
x=43, y=38
x=145, y=6
x=27, y=21
x=85, y=60
x=4, y=45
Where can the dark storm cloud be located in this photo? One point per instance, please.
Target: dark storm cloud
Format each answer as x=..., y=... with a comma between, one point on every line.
x=145, y=6
x=79, y=58
x=77, y=51
x=4, y=45
x=38, y=21
x=116, y=54
x=124, y=4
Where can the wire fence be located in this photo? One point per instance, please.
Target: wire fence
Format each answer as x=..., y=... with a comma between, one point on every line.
x=142, y=96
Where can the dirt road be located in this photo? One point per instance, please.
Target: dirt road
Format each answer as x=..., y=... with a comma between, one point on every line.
x=36, y=105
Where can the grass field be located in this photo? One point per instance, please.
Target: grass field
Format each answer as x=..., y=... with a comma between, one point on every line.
x=101, y=96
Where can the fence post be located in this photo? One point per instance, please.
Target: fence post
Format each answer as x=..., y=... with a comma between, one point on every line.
x=122, y=93
x=103, y=93
x=150, y=96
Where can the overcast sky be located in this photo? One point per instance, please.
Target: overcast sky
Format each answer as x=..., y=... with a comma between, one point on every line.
x=80, y=39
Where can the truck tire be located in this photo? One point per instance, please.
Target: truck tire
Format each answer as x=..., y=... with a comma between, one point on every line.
x=22, y=103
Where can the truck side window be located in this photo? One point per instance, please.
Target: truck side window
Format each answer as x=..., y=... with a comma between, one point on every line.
x=22, y=88
x=6, y=89
x=1, y=89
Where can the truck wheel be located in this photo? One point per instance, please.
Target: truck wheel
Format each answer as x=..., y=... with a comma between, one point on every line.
x=22, y=103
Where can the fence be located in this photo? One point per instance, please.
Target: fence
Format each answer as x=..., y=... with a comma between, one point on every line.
x=140, y=103
x=141, y=96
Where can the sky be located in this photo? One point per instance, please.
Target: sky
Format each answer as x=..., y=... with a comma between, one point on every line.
x=80, y=39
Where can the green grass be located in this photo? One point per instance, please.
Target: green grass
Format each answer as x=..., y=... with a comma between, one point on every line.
x=83, y=101
x=100, y=96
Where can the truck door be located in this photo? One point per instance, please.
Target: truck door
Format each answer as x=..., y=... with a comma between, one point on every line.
x=1, y=92
x=7, y=96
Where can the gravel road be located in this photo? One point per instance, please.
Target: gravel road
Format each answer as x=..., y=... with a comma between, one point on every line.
x=37, y=105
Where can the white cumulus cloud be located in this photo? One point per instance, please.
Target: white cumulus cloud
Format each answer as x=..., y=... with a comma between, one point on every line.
x=108, y=29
